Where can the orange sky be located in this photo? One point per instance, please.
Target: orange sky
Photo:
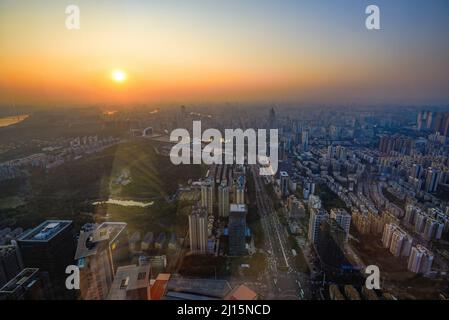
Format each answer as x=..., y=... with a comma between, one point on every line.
x=175, y=55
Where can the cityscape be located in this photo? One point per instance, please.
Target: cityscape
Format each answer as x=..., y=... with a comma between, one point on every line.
x=353, y=205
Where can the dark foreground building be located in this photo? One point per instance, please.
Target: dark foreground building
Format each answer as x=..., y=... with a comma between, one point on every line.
x=237, y=229
x=29, y=284
x=50, y=247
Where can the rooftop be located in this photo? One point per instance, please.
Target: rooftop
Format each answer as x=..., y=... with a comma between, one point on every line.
x=24, y=278
x=159, y=286
x=46, y=230
x=340, y=211
x=235, y=207
x=128, y=278
x=242, y=292
x=90, y=241
x=424, y=250
x=283, y=174
x=210, y=288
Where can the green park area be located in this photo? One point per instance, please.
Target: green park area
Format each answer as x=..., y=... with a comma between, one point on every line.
x=69, y=191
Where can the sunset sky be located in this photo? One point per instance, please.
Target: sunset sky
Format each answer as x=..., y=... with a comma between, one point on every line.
x=223, y=50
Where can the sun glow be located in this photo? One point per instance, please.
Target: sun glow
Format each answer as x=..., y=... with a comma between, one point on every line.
x=118, y=75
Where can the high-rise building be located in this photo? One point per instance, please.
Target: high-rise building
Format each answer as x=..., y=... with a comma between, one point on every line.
x=198, y=230
x=386, y=144
x=433, y=177
x=317, y=216
x=223, y=199
x=343, y=218
x=424, y=120
x=430, y=228
x=131, y=283
x=157, y=264
x=99, y=252
x=397, y=143
x=207, y=195
x=305, y=140
x=341, y=152
x=330, y=152
x=10, y=263
x=387, y=234
x=284, y=183
x=147, y=241
x=134, y=242
x=237, y=229
x=376, y=222
x=420, y=260
x=396, y=240
x=445, y=126
x=239, y=190
x=410, y=214
x=50, y=247
x=329, y=245
x=433, y=121
x=416, y=171
x=362, y=222
x=29, y=284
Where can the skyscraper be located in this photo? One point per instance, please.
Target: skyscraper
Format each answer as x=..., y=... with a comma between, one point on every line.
x=237, y=229
x=396, y=240
x=51, y=248
x=433, y=176
x=416, y=171
x=330, y=152
x=341, y=152
x=410, y=214
x=284, y=183
x=29, y=284
x=316, y=217
x=420, y=260
x=329, y=244
x=198, y=230
x=445, y=126
x=424, y=120
x=420, y=222
x=131, y=283
x=343, y=218
x=223, y=199
x=430, y=229
x=239, y=190
x=99, y=252
x=207, y=195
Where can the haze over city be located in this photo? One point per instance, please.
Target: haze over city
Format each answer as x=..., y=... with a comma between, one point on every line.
x=226, y=150
x=218, y=51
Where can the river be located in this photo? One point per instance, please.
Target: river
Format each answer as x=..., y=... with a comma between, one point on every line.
x=7, y=121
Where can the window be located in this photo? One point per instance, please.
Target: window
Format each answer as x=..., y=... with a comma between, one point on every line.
x=141, y=275
x=124, y=283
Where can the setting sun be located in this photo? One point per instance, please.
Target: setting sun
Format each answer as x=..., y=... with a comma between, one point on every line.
x=118, y=75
